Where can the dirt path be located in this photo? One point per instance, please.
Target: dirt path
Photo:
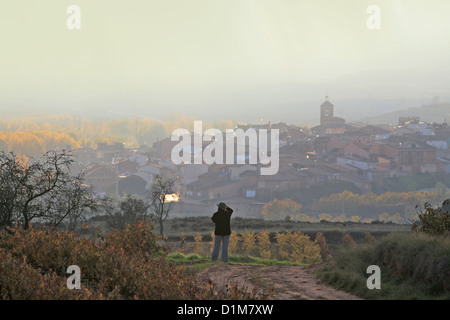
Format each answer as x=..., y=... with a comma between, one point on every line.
x=287, y=282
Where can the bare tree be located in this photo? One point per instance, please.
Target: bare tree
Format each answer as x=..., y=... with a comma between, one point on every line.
x=129, y=211
x=160, y=199
x=72, y=204
x=41, y=190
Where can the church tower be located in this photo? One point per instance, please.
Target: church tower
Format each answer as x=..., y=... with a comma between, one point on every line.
x=326, y=111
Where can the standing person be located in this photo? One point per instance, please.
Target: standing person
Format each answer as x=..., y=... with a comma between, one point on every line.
x=222, y=231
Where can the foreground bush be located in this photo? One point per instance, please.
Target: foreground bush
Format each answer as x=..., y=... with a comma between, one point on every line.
x=324, y=249
x=264, y=245
x=433, y=221
x=20, y=281
x=124, y=264
x=298, y=247
x=294, y=247
x=413, y=266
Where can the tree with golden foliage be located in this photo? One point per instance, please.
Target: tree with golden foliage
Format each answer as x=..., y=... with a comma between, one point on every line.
x=280, y=209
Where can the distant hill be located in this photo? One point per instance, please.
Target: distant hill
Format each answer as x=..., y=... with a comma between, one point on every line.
x=435, y=112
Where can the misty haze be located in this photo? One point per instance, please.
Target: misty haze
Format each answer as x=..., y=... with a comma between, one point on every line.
x=120, y=178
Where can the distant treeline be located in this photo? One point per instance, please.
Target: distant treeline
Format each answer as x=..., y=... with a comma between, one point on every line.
x=34, y=136
x=366, y=205
x=35, y=143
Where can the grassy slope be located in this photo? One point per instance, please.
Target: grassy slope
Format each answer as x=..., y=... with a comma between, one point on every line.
x=413, y=266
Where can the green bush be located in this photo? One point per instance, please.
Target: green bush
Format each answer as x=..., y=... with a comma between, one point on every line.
x=413, y=266
x=420, y=257
x=433, y=221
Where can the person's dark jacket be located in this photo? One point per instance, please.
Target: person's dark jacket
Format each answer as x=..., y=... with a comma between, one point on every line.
x=222, y=220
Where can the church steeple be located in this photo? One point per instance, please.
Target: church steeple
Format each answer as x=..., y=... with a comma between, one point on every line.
x=326, y=110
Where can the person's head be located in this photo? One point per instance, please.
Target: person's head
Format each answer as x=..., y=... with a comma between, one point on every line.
x=223, y=206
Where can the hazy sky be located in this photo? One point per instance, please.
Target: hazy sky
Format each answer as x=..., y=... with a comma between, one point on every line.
x=184, y=52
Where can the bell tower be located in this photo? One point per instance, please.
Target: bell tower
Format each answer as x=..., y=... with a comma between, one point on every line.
x=326, y=111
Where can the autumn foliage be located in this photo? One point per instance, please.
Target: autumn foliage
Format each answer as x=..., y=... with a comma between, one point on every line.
x=248, y=242
x=298, y=247
x=324, y=249
x=348, y=241
x=354, y=202
x=264, y=245
x=280, y=209
x=34, y=136
x=36, y=143
x=234, y=242
x=124, y=264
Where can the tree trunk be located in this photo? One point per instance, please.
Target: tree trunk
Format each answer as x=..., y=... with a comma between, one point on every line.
x=161, y=227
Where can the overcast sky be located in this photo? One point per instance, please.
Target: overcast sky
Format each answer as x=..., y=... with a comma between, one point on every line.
x=180, y=53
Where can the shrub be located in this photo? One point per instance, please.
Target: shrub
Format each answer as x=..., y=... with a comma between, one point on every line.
x=419, y=256
x=369, y=238
x=413, y=266
x=264, y=245
x=298, y=248
x=124, y=264
x=20, y=281
x=234, y=242
x=248, y=242
x=348, y=241
x=182, y=242
x=432, y=221
x=324, y=250
x=198, y=243
x=137, y=238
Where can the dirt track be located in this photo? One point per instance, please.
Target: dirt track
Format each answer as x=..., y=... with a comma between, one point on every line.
x=287, y=282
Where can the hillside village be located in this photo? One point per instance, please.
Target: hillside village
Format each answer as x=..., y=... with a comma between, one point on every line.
x=334, y=152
